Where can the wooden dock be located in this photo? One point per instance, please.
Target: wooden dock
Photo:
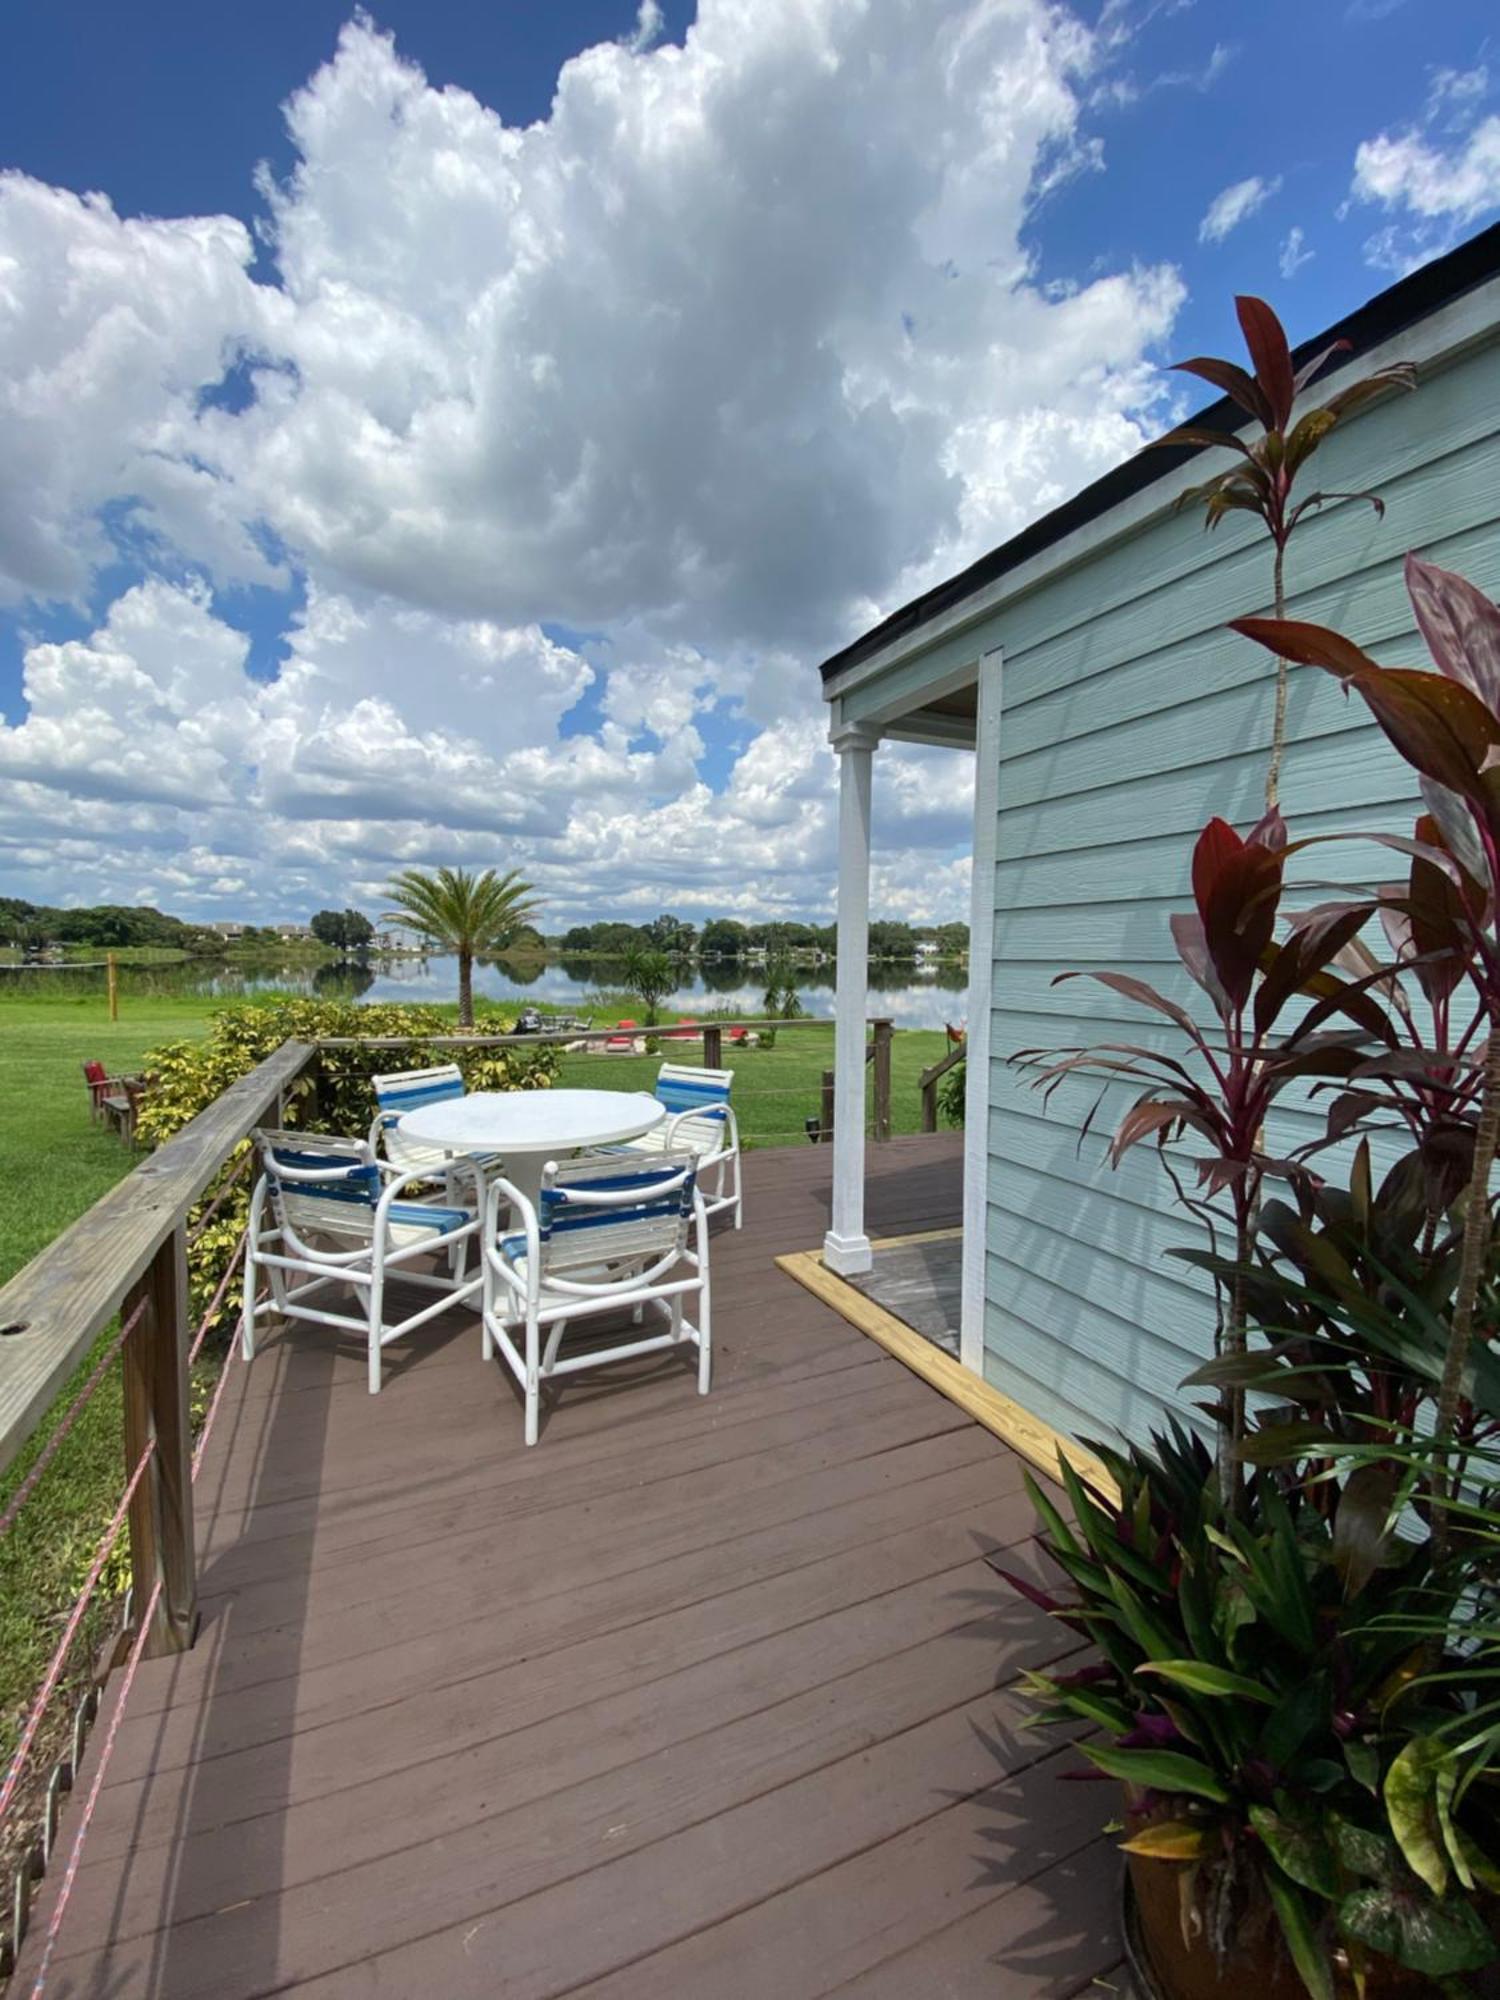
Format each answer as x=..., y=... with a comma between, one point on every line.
x=697, y=1698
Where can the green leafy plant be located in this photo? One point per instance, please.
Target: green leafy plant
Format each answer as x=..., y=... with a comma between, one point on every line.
x=1263, y=483
x=952, y=1093
x=471, y=915
x=1254, y=1685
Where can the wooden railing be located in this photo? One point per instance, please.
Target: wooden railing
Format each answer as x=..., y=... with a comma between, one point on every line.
x=927, y=1083
x=129, y=1246
x=126, y=1256
x=877, y=1059
x=710, y=1033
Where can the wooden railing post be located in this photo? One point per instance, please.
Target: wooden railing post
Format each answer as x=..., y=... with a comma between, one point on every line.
x=929, y=1103
x=825, y=1132
x=927, y=1082
x=713, y=1047
x=156, y=1406
x=883, y=1032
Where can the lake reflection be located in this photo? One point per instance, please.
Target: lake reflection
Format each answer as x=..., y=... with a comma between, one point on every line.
x=912, y=997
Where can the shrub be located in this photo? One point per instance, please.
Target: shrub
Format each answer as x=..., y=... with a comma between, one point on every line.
x=950, y=1097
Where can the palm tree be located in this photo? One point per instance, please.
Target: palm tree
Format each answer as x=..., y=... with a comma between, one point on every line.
x=650, y=976
x=472, y=915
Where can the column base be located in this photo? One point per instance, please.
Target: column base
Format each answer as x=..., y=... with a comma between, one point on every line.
x=849, y=1256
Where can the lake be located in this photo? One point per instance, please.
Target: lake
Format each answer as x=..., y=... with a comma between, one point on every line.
x=912, y=997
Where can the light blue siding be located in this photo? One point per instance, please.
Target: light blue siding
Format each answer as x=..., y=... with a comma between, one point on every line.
x=1130, y=717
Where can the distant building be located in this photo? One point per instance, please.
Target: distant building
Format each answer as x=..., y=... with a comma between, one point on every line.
x=293, y=933
x=224, y=930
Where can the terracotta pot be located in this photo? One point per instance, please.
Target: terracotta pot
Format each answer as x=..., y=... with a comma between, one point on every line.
x=1168, y=1969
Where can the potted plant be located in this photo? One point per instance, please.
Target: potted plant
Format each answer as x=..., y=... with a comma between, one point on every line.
x=1255, y=1691
x=1296, y=1636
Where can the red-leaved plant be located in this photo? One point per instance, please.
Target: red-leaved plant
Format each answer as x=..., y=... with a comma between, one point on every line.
x=1447, y=727
x=1263, y=483
x=1228, y=945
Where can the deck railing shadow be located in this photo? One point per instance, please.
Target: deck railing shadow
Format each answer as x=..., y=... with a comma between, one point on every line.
x=283, y=1447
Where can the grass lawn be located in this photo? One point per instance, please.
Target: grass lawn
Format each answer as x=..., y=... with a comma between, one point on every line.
x=775, y=1090
x=55, y=1162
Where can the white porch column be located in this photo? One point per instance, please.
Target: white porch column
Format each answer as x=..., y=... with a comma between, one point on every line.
x=846, y=1248
x=981, y=959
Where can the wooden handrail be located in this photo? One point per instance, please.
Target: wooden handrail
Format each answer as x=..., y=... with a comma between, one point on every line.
x=664, y=1030
x=51, y=1311
x=927, y=1082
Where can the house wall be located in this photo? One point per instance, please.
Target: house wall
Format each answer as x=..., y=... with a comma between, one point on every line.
x=1130, y=717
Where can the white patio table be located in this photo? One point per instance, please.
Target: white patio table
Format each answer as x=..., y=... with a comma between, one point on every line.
x=527, y=1128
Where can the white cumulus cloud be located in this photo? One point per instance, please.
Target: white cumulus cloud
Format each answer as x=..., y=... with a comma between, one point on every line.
x=581, y=442
x=1434, y=178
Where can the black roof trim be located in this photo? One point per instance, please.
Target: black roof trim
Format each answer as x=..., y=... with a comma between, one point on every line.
x=1390, y=312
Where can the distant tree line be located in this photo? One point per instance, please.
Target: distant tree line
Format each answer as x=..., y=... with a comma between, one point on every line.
x=725, y=937
x=118, y=926
x=113, y=926
x=107, y=926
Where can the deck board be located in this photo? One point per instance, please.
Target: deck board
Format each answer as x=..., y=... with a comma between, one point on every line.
x=698, y=1697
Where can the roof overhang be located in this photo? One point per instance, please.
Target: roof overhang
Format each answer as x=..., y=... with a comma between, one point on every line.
x=1438, y=311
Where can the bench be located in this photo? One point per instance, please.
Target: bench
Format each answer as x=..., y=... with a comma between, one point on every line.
x=114, y=1100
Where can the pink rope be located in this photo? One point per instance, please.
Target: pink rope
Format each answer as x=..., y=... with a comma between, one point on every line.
x=218, y=1201
x=75, y=1856
x=59, y=1909
x=54, y=1443
x=216, y=1301
x=96, y=1570
x=70, y=1631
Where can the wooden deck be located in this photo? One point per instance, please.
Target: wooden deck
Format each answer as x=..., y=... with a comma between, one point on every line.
x=696, y=1698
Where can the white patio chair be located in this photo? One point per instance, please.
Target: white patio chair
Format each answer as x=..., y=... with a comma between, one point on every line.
x=700, y=1120
x=325, y=1215
x=402, y=1091
x=604, y=1236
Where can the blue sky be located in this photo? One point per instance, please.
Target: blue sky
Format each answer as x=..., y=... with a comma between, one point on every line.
x=487, y=481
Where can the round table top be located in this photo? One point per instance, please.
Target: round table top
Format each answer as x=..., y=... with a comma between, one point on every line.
x=534, y=1121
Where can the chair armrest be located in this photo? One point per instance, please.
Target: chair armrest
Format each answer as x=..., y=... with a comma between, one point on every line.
x=523, y=1212
x=692, y=1111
